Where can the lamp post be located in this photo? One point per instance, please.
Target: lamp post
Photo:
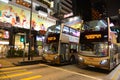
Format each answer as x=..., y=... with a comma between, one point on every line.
x=29, y=50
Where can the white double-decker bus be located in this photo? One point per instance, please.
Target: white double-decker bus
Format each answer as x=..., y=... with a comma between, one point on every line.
x=61, y=44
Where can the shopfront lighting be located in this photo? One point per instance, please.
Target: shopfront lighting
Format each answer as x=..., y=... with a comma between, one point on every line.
x=4, y=42
x=51, y=4
x=42, y=14
x=6, y=1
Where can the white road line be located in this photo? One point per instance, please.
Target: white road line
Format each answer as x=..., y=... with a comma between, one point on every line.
x=76, y=73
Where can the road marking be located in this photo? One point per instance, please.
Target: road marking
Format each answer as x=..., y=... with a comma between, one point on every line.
x=13, y=71
x=115, y=76
x=76, y=73
x=11, y=68
x=33, y=77
x=15, y=75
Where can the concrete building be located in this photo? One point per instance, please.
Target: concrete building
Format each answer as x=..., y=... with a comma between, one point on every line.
x=63, y=8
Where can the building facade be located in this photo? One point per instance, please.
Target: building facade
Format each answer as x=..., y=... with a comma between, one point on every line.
x=63, y=8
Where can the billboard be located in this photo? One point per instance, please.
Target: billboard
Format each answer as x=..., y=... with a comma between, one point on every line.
x=20, y=17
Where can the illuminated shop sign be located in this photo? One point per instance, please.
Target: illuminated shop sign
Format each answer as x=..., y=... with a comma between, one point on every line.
x=4, y=34
x=6, y=1
x=38, y=38
x=93, y=36
x=68, y=15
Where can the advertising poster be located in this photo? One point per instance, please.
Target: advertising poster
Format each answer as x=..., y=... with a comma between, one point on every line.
x=19, y=17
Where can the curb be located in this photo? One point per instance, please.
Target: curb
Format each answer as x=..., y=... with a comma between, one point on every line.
x=28, y=62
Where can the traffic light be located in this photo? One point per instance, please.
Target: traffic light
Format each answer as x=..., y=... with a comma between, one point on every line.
x=22, y=38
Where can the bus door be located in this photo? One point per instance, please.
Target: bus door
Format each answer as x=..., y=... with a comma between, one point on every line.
x=113, y=55
x=64, y=52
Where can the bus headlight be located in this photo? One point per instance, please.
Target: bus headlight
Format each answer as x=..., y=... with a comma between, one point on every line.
x=55, y=57
x=103, y=62
x=81, y=59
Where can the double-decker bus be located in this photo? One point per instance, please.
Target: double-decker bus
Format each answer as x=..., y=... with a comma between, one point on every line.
x=99, y=45
x=61, y=44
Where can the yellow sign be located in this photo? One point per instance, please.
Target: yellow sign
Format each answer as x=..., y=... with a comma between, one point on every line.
x=93, y=36
x=23, y=3
x=51, y=38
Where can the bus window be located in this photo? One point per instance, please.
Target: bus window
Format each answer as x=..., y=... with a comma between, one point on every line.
x=63, y=48
x=87, y=47
x=101, y=49
x=66, y=30
x=51, y=48
x=94, y=49
x=73, y=48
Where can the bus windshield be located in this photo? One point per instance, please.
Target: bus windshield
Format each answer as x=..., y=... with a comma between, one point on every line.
x=94, y=49
x=51, y=48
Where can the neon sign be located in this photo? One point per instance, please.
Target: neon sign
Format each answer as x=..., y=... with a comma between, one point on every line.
x=93, y=36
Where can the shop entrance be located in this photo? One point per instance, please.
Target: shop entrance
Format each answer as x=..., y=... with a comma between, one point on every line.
x=3, y=50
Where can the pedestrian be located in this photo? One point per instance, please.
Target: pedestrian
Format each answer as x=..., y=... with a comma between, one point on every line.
x=42, y=27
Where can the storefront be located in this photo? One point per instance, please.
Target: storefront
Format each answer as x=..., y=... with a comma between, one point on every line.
x=18, y=18
x=4, y=42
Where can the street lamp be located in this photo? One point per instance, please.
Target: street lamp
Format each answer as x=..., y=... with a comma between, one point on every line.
x=29, y=50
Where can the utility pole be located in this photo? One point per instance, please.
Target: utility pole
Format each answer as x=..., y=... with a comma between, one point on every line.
x=29, y=50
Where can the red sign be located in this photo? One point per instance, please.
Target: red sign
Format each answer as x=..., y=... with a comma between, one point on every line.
x=42, y=32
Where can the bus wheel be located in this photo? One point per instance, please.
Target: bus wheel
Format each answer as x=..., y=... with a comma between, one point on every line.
x=72, y=60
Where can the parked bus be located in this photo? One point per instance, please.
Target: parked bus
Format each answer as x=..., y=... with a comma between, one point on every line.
x=99, y=45
x=61, y=44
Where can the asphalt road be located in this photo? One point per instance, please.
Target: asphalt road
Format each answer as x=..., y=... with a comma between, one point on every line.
x=47, y=72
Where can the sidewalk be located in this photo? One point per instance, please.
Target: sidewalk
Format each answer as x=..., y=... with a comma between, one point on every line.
x=10, y=62
x=114, y=74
